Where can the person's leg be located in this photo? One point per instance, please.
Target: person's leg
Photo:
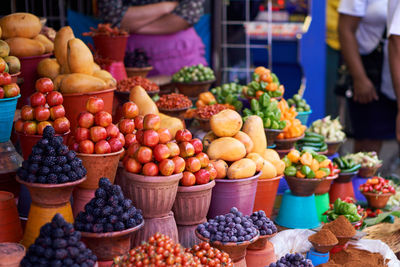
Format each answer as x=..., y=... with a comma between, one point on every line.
x=367, y=145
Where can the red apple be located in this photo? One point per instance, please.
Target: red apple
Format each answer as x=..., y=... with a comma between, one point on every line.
x=197, y=144
x=30, y=127
x=167, y=167
x=6, y=78
x=161, y=152
x=86, y=146
x=98, y=133
x=102, y=147
x=173, y=149
x=188, y=179
x=143, y=154
x=186, y=149
x=42, y=114
x=112, y=130
x=202, y=176
x=151, y=122
x=37, y=99
x=183, y=135
x=2, y=93
x=126, y=126
x=19, y=126
x=179, y=164
x=42, y=125
x=213, y=172
x=27, y=113
x=204, y=160
x=57, y=112
x=61, y=125
x=132, y=149
x=139, y=136
x=81, y=134
x=121, y=138
x=44, y=85
x=150, y=138
x=130, y=110
x=94, y=104
x=85, y=119
x=129, y=140
x=116, y=144
x=165, y=135
x=54, y=98
x=12, y=90
x=132, y=165
x=150, y=169
x=139, y=122
x=192, y=164
x=102, y=118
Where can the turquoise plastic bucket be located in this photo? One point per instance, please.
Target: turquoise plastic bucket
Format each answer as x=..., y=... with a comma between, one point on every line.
x=317, y=258
x=303, y=116
x=297, y=212
x=7, y=110
x=322, y=203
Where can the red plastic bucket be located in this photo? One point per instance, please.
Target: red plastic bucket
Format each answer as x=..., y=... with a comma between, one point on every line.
x=266, y=194
x=117, y=70
x=110, y=47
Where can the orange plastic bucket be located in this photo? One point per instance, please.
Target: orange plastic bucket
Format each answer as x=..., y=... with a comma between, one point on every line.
x=266, y=194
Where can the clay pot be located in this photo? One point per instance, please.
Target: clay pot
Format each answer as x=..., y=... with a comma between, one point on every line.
x=239, y=193
x=106, y=246
x=302, y=186
x=81, y=197
x=165, y=225
x=154, y=195
x=266, y=194
x=263, y=257
x=14, y=77
x=10, y=225
x=376, y=200
x=325, y=185
x=345, y=177
x=271, y=135
x=187, y=236
x=261, y=242
x=76, y=103
x=28, y=141
x=10, y=161
x=340, y=190
x=98, y=166
x=192, y=203
x=110, y=47
x=11, y=254
x=333, y=147
x=285, y=144
x=366, y=172
x=193, y=89
x=138, y=71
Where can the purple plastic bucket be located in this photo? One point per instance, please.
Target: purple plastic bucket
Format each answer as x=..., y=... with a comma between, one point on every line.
x=283, y=186
x=357, y=181
x=239, y=193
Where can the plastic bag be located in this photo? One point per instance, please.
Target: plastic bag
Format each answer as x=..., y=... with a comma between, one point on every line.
x=296, y=240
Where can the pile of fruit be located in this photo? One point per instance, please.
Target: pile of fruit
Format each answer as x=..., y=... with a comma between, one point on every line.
x=108, y=211
x=136, y=59
x=346, y=165
x=293, y=127
x=299, y=103
x=174, y=101
x=330, y=129
x=366, y=159
x=58, y=245
x=105, y=30
x=312, y=141
x=229, y=94
x=267, y=109
x=210, y=256
x=127, y=84
x=197, y=73
x=308, y=164
x=290, y=260
x=264, y=81
x=46, y=109
x=129, y=123
x=51, y=162
x=263, y=224
x=206, y=112
x=8, y=64
x=231, y=227
x=346, y=208
x=377, y=185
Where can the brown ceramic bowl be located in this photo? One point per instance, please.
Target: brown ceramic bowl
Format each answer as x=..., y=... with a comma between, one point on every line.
x=345, y=177
x=302, y=186
x=325, y=185
x=285, y=144
x=323, y=248
x=193, y=89
x=333, y=147
x=261, y=242
x=366, y=172
x=271, y=135
x=376, y=200
x=130, y=72
x=178, y=112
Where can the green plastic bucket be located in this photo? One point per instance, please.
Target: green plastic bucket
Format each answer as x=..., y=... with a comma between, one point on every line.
x=303, y=116
x=7, y=110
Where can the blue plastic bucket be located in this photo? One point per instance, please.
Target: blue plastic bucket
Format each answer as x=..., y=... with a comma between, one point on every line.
x=7, y=110
x=357, y=181
x=303, y=116
x=317, y=258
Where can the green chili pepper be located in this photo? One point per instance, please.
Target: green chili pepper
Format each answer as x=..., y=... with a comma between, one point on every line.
x=255, y=85
x=265, y=100
x=290, y=171
x=263, y=85
x=260, y=114
x=255, y=106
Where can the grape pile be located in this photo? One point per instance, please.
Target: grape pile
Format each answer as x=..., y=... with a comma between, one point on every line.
x=263, y=223
x=136, y=59
x=292, y=260
x=231, y=227
x=108, y=211
x=51, y=162
x=210, y=256
x=58, y=245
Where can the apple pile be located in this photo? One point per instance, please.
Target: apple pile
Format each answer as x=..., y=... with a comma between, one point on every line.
x=46, y=109
x=154, y=152
x=7, y=89
x=96, y=134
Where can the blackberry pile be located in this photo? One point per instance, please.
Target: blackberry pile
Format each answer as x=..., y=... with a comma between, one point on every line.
x=136, y=59
x=58, y=245
x=51, y=162
x=108, y=211
x=292, y=260
x=262, y=223
x=231, y=227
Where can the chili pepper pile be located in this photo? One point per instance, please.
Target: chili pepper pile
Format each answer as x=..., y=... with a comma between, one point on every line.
x=377, y=185
x=127, y=84
x=346, y=165
x=308, y=164
x=299, y=103
x=228, y=94
x=207, y=112
x=346, y=208
x=263, y=81
x=373, y=213
x=105, y=29
x=312, y=141
x=173, y=101
x=197, y=73
x=293, y=127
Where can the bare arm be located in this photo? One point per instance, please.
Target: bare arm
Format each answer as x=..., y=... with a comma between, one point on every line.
x=364, y=90
x=167, y=24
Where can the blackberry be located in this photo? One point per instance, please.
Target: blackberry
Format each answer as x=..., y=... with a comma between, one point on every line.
x=22, y=173
x=104, y=182
x=72, y=241
x=52, y=178
x=100, y=193
x=119, y=226
x=116, y=190
x=118, y=210
x=51, y=151
x=49, y=253
x=31, y=178
x=113, y=219
x=66, y=168
x=81, y=246
x=79, y=226
x=62, y=150
x=61, y=160
x=60, y=243
x=49, y=161
x=101, y=220
x=89, y=218
x=36, y=150
x=56, y=169
x=62, y=179
x=34, y=168
x=44, y=170
x=97, y=228
x=57, y=233
x=56, y=141
x=48, y=132
x=75, y=164
x=46, y=230
x=130, y=223
x=107, y=210
x=125, y=217
x=68, y=262
x=56, y=263
x=89, y=209
x=81, y=171
x=35, y=158
x=39, y=250
x=108, y=227
x=100, y=202
x=73, y=252
x=73, y=176
x=88, y=227
x=43, y=143
x=127, y=204
x=97, y=212
x=71, y=155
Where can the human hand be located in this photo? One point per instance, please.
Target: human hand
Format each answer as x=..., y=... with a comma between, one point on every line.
x=364, y=91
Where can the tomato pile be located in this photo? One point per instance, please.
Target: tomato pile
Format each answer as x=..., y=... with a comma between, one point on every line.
x=377, y=185
x=210, y=256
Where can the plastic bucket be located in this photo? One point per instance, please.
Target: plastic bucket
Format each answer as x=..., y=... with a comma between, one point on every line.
x=117, y=70
x=317, y=258
x=303, y=116
x=7, y=111
x=266, y=194
x=110, y=47
x=357, y=181
x=341, y=190
x=322, y=204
